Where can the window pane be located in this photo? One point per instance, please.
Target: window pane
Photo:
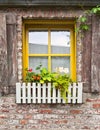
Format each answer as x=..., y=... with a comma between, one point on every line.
x=38, y=42
x=61, y=62
x=35, y=61
x=60, y=42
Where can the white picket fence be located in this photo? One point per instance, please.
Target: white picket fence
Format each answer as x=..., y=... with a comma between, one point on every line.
x=37, y=93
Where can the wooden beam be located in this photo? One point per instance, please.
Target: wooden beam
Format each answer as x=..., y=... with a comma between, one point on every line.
x=95, y=61
x=12, y=50
x=49, y=2
x=3, y=56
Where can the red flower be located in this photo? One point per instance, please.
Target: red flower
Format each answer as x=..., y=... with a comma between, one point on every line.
x=30, y=70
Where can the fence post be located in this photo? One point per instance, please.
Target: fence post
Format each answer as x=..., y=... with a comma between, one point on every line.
x=18, y=92
x=79, y=93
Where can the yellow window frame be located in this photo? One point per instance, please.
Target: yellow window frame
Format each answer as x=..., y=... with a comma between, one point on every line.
x=48, y=24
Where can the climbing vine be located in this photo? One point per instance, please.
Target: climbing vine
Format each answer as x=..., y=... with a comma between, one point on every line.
x=84, y=18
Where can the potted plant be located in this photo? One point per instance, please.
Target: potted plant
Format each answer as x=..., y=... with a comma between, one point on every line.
x=42, y=86
x=60, y=79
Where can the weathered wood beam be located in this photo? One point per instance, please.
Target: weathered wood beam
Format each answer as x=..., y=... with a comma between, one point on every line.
x=12, y=50
x=49, y=2
x=95, y=61
x=3, y=56
x=86, y=57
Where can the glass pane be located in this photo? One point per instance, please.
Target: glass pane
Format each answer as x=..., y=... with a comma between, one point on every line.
x=38, y=42
x=35, y=61
x=61, y=62
x=60, y=42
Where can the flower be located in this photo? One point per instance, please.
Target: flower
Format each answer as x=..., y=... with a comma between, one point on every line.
x=66, y=70
x=30, y=70
x=60, y=79
x=62, y=70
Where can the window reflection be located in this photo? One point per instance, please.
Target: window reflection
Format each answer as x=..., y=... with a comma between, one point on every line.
x=60, y=62
x=38, y=41
x=35, y=61
x=60, y=42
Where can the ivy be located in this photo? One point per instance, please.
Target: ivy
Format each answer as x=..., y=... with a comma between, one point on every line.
x=95, y=10
x=84, y=18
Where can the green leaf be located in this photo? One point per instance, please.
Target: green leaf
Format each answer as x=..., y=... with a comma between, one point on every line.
x=98, y=8
x=83, y=19
x=84, y=27
x=94, y=10
x=42, y=81
x=49, y=78
x=77, y=30
x=37, y=68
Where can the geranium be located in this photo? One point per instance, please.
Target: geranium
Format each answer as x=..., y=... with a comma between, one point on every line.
x=61, y=79
x=30, y=70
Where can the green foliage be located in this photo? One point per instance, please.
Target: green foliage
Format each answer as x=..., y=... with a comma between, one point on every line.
x=46, y=76
x=60, y=81
x=43, y=75
x=29, y=75
x=95, y=10
x=84, y=27
x=83, y=19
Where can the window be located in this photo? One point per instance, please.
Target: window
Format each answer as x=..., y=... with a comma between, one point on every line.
x=51, y=43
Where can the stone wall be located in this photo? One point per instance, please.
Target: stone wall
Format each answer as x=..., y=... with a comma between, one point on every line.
x=72, y=117
x=15, y=17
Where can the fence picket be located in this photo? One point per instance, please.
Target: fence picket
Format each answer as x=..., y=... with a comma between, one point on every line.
x=59, y=97
x=29, y=93
x=79, y=93
x=18, y=93
x=32, y=93
x=74, y=93
x=38, y=93
x=54, y=96
x=69, y=93
x=49, y=93
x=64, y=100
x=44, y=93
x=23, y=93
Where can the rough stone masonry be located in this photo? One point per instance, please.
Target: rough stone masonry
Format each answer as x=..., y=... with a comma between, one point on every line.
x=13, y=116
x=56, y=116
